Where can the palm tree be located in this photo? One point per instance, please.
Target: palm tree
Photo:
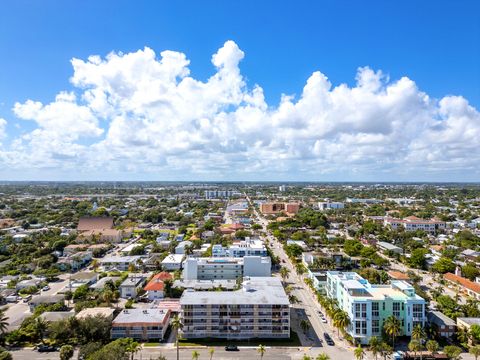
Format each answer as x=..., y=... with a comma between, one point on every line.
x=432, y=347
x=322, y=357
x=418, y=333
x=41, y=327
x=133, y=347
x=304, y=325
x=261, y=349
x=475, y=351
x=195, y=355
x=3, y=323
x=385, y=350
x=341, y=320
x=284, y=272
x=453, y=352
x=414, y=346
x=359, y=353
x=211, y=351
x=107, y=296
x=306, y=357
x=374, y=345
x=177, y=326
x=392, y=328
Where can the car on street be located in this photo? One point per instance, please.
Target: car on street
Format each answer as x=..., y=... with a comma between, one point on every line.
x=231, y=348
x=324, y=320
x=328, y=339
x=46, y=288
x=27, y=298
x=46, y=348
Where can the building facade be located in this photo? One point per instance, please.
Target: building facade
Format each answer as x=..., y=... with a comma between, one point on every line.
x=226, y=268
x=141, y=324
x=259, y=310
x=368, y=305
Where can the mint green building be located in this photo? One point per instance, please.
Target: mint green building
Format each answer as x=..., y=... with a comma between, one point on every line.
x=369, y=305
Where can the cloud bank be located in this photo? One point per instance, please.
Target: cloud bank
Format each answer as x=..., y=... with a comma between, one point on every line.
x=143, y=113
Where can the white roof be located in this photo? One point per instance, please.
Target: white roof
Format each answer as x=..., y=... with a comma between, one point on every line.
x=258, y=290
x=173, y=258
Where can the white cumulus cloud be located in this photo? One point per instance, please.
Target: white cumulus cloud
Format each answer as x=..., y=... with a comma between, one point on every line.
x=145, y=113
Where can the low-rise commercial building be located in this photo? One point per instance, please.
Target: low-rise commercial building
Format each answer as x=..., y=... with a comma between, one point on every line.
x=259, y=310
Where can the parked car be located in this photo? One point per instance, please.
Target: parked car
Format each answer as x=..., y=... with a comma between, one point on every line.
x=46, y=288
x=231, y=348
x=27, y=298
x=46, y=348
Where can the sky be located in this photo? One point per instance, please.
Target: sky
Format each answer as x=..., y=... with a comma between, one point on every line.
x=329, y=90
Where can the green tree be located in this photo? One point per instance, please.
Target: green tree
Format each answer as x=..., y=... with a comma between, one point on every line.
x=177, y=325
x=284, y=272
x=341, y=320
x=304, y=324
x=417, y=258
x=453, y=352
x=322, y=357
x=374, y=345
x=443, y=265
x=359, y=353
x=195, y=355
x=414, y=346
x=475, y=351
x=66, y=352
x=261, y=349
x=432, y=347
x=3, y=324
x=392, y=328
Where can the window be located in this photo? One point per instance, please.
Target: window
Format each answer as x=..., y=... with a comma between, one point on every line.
x=375, y=312
x=418, y=311
x=396, y=309
x=375, y=327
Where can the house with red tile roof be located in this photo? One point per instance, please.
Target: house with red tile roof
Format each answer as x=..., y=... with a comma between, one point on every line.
x=469, y=287
x=155, y=287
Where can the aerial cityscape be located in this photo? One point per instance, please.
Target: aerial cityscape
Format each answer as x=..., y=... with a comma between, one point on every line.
x=268, y=180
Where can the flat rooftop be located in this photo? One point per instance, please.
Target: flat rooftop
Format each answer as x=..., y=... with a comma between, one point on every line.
x=141, y=316
x=257, y=290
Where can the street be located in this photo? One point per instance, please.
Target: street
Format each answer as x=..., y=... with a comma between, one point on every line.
x=308, y=305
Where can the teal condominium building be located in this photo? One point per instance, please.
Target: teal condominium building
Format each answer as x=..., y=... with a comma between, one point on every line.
x=369, y=305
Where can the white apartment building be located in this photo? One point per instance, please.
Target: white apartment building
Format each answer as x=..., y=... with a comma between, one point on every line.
x=226, y=268
x=330, y=205
x=413, y=223
x=218, y=194
x=259, y=310
x=247, y=247
x=368, y=305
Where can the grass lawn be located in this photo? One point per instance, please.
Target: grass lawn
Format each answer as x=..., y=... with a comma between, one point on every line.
x=293, y=341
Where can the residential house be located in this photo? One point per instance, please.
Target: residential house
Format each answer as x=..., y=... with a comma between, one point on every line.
x=130, y=287
x=156, y=286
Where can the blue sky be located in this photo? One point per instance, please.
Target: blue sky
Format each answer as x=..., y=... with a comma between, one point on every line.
x=436, y=44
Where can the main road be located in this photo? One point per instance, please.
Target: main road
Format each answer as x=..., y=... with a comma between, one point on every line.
x=307, y=306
